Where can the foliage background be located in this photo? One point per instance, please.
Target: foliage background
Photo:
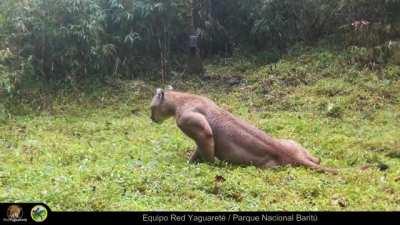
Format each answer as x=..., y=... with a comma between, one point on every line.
x=65, y=41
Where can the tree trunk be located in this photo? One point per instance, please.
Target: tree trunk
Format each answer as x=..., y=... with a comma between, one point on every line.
x=194, y=64
x=163, y=42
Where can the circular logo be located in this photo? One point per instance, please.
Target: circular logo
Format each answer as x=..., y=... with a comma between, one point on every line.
x=14, y=212
x=39, y=213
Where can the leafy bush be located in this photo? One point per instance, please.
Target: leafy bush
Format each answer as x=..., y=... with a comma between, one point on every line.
x=281, y=23
x=5, y=77
x=372, y=57
x=72, y=40
x=12, y=72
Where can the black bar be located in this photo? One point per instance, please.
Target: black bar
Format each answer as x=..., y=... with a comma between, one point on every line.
x=197, y=218
x=249, y=218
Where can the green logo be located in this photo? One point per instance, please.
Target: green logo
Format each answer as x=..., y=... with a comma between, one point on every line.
x=39, y=213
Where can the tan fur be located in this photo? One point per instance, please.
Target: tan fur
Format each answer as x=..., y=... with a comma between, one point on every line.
x=218, y=133
x=14, y=212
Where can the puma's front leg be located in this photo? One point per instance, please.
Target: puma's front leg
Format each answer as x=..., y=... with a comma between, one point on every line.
x=195, y=157
x=196, y=126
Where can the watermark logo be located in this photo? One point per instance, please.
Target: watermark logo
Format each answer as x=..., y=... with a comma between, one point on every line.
x=15, y=213
x=39, y=213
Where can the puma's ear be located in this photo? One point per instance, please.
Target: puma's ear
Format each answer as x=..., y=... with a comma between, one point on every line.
x=160, y=93
x=169, y=88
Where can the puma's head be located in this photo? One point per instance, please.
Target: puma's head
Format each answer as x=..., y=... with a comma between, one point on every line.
x=160, y=107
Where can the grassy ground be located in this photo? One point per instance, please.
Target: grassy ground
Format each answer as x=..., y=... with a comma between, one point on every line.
x=98, y=150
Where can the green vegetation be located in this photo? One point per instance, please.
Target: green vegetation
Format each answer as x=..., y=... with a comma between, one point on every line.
x=77, y=76
x=95, y=148
x=67, y=41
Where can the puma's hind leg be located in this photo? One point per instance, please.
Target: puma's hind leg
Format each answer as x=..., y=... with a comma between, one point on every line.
x=292, y=144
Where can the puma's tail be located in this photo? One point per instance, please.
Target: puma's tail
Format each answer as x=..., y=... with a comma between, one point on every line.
x=320, y=168
x=326, y=170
